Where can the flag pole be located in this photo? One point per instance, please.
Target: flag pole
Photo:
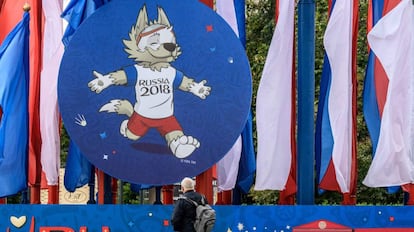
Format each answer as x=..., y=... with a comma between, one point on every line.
x=35, y=190
x=306, y=96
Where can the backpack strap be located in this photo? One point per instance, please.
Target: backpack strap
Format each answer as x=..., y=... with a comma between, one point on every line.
x=203, y=200
x=190, y=200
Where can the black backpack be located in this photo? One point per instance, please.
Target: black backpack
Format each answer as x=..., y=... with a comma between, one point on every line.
x=205, y=216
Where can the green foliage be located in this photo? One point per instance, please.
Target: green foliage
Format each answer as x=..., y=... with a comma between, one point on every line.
x=259, y=32
x=64, y=144
x=128, y=196
x=321, y=20
x=264, y=197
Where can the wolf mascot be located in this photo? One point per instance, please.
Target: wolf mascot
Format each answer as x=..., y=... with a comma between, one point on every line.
x=153, y=47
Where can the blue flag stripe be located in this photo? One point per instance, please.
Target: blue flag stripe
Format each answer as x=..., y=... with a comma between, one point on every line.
x=14, y=66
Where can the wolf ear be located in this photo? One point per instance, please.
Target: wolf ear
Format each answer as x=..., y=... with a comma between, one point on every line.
x=162, y=17
x=142, y=20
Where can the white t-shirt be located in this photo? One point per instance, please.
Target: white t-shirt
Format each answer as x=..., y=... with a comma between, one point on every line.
x=154, y=91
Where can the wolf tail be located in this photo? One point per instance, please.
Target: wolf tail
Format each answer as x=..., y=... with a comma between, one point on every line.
x=118, y=106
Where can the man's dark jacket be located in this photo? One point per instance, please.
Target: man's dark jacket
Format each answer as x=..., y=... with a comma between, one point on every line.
x=185, y=212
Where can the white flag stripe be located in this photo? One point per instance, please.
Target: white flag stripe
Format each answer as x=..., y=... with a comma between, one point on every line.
x=273, y=105
x=228, y=167
x=225, y=8
x=338, y=46
x=391, y=40
x=49, y=114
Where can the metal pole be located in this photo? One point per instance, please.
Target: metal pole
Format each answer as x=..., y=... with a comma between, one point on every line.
x=107, y=189
x=306, y=96
x=158, y=195
x=91, y=185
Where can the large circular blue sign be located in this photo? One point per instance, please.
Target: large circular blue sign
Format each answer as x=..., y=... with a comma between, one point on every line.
x=152, y=91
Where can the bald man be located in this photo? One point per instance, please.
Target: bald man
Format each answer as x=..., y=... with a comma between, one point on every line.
x=185, y=211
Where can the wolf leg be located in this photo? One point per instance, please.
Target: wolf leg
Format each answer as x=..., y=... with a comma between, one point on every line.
x=127, y=133
x=181, y=145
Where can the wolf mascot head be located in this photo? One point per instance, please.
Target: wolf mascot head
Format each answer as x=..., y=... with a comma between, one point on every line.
x=152, y=44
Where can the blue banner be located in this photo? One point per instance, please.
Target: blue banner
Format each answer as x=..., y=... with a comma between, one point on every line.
x=144, y=218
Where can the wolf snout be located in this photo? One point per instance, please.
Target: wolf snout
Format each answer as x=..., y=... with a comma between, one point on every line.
x=170, y=46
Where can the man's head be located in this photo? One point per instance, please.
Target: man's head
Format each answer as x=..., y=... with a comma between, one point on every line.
x=187, y=184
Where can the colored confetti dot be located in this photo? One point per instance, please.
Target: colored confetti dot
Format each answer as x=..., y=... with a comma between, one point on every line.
x=230, y=60
x=391, y=219
x=209, y=28
x=102, y=135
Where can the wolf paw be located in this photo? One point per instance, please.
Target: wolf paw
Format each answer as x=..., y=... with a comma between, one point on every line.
x=199, y=89
x=184, y=146
x=100, y=83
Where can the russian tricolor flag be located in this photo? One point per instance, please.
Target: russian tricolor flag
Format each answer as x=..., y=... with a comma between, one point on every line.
x=78, y=169
x=275, y=114
x=376, y=81
x=389, y=87
x=335, y=147
x=237, y=167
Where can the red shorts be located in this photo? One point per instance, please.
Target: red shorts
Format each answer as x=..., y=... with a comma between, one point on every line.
x=139, y=125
